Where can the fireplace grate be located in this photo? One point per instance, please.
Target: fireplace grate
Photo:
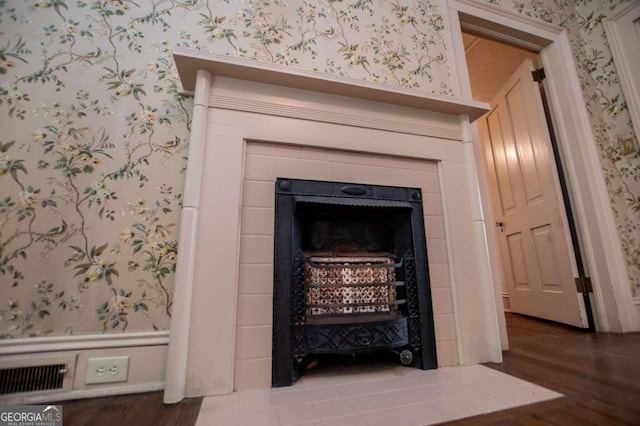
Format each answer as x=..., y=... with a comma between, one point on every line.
x=337, y=286
x=350, y=304
x=350, y=285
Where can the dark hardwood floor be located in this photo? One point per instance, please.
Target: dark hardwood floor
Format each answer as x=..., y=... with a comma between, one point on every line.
x=144, y=409
x=599, y=374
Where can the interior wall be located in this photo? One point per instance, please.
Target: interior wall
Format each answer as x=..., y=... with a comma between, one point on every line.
x=95, y=133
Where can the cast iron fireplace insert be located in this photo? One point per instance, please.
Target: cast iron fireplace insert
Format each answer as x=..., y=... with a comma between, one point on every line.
x=350, y=275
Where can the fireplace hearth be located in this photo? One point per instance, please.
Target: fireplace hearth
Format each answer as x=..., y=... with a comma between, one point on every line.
x=350, y=275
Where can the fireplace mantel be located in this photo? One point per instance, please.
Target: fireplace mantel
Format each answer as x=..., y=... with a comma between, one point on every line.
x=189, y=61
x=238, y=102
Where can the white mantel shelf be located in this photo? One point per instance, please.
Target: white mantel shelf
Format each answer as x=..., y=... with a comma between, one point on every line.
x=189, y=61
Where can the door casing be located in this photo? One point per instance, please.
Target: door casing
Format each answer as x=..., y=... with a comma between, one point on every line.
x=600, y=243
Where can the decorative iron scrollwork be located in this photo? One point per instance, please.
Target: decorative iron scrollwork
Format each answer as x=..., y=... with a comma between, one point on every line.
x=346, y=338
x=406, y=357
x=413, y=302
x=299, y=341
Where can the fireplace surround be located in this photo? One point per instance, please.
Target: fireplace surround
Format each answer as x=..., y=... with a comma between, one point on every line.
x=350, y=274
x=241, y=102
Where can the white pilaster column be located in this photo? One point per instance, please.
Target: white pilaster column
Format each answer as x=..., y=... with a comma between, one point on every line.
x=175, y=376
x=486, y=280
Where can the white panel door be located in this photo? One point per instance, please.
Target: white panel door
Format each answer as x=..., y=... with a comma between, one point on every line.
x=535, y=245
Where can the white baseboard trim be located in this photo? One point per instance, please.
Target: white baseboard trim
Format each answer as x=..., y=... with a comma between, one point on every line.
x=73, y=343
x=50, y=397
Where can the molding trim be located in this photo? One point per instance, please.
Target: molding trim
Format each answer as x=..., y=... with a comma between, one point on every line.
x=82, y=393
x=498, y=23
x=597, y=225
x=475, y=28
x=188, y=61
x=73, y=343
x=328, y=116
x=481, y=8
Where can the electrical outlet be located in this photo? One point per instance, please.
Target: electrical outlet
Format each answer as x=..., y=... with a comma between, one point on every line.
x=107, y=369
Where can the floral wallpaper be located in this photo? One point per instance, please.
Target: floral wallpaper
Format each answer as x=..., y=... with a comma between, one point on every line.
x=401, y=43
x=93, y=131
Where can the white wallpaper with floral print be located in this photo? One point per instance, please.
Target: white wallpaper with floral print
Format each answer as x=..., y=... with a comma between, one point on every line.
x=94, y=130
x=92, y=148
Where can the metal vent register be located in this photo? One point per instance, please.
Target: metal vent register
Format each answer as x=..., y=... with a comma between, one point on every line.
x=32, y=379
x=350, y=275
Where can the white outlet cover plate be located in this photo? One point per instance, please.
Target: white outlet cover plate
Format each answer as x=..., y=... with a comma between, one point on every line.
x=107, y=369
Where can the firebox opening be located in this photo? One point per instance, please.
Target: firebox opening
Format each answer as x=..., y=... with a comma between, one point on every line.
x=353, y=267
x=372, y=229
x=354, y=363
x=351, y=277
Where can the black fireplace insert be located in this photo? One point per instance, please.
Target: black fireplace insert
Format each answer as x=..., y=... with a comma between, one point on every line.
x=350, y=275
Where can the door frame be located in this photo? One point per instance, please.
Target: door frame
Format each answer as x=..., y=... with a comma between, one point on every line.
x=599, y=240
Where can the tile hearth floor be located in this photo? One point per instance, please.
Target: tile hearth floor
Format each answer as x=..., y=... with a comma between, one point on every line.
x=388, y=396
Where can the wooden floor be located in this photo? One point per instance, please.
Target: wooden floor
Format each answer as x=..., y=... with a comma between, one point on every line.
x=144, y=409
x=599, y=374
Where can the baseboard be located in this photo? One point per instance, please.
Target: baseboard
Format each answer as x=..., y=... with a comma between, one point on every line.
x=51, y=397
x=506, y=301
x=145, y=355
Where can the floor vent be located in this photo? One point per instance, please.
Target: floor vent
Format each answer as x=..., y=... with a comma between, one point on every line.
x=32, y=379
x=28, y=378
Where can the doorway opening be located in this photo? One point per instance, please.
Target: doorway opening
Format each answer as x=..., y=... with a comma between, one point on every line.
x=538, y=242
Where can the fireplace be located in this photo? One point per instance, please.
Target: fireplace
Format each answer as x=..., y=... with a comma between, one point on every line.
x=253, y=122
x=350, y=275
